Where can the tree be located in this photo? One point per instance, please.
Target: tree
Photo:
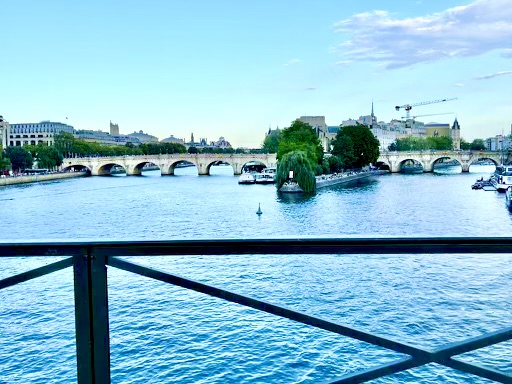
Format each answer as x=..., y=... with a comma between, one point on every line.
x=303, y=173
x=5, y=162
x=20, y=158
x=464, y=145
x=356, y=146
x=65, y=143
x=192, y=149
x=300, y=137
x=439, y=143
x=271, y=142
x=46, y=157
x=477, y=145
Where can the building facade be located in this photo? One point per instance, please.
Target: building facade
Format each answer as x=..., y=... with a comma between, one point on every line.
x=143, y=137
x=36, y=133
x=4, y=131
x=105, y=138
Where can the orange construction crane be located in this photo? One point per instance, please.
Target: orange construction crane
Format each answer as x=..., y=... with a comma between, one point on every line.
x=408, y=107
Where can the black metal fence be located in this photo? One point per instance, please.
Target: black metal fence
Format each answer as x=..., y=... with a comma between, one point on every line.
x=90, y=259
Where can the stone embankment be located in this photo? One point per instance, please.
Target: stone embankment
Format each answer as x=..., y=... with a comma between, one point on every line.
x=342, y=178
x=37, y=178
x=333, y=179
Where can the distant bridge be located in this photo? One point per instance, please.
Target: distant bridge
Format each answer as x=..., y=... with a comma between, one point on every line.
x=427, y=159
x=167, y=163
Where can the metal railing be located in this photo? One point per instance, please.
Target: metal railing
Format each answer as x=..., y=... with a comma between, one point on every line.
x=90, y=259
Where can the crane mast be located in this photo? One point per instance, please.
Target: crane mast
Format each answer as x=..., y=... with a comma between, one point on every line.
x=408, y=107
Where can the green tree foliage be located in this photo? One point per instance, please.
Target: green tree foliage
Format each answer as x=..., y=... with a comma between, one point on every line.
x=439, y=143
x=477, y=145
x=20, y=158
x=334, y=164
x=271, y=142
x=410, y=143
x=303, y=173
x=192, y=150
x=300, y=137
x=5, y=162
x=464, y=145
x=46, y=157
x=356, y=146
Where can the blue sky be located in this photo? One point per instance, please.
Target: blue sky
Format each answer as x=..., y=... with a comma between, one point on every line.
x=232, y=68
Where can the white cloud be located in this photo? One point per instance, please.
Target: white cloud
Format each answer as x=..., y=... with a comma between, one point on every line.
x=491, y=75
x=459, y=85
x=471, y=30
x=292, y=62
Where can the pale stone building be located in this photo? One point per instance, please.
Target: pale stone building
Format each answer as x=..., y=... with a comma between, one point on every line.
x=36, y=133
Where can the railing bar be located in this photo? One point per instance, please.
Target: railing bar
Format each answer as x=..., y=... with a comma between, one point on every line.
x=380, y=371
x=298, y=249
x=37, y=272
x=477, y=342
x=475, y=369
x=269, y=308
x=39, y=249
x=100, y=326
x=268, y=246
x=83, y=318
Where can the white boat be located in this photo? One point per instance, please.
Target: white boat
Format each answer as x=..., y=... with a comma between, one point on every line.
x=502, y=177
x=264, y=178
x=508, y=198
x=246, y=178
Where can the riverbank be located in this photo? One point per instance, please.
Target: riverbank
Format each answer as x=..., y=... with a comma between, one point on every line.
x=38, y=178
x=333, y=179
x=343, y=178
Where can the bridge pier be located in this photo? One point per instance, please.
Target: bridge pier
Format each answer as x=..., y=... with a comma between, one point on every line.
x=202, y=169
x=133, y=171
x=427, y=167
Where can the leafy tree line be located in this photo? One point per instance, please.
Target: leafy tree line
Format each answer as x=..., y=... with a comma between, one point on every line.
x=439, y=143
x=475, y=145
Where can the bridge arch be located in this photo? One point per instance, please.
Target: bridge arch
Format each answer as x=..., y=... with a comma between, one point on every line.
x=484, y=158
x=136, y=170
x=171, y=167
x=440, y=162
x=76, y=168
x=106, y=169
x=218, y=162
x=411, y=165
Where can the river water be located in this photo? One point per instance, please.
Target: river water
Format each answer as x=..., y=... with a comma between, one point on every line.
x=163, y=334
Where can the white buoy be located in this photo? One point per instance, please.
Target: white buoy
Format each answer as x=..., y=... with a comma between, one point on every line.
x=258, y=212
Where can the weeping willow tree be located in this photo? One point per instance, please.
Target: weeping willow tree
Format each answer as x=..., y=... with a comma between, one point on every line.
x=303, y=173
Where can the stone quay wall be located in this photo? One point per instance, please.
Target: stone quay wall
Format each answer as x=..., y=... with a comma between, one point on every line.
x=37, y=178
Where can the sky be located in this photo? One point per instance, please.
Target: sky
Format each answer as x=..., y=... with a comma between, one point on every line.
x=235, y=68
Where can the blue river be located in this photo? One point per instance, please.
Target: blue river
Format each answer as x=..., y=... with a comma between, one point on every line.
x=163, y=334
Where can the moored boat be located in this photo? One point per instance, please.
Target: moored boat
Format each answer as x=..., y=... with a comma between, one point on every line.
x=502, y=177
x=246, y=178
x=264, y=178
x=508, y=198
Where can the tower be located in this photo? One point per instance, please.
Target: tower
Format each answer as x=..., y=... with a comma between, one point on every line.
x=192, y=138
x=114, y=129
x=455, y=135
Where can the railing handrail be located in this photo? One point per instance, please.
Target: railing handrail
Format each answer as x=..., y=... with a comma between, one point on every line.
x=292, y=245
x=90, y=258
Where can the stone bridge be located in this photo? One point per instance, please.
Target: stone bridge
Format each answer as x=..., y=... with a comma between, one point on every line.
x=167, y=163
x=395, y=160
